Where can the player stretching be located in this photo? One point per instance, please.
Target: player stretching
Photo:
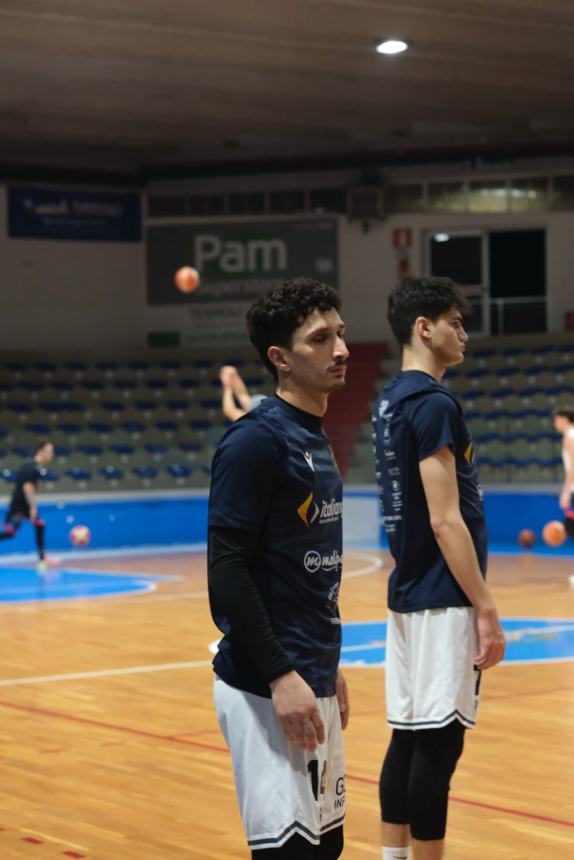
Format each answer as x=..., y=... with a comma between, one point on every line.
x=23, y=504
x=274, y=562
x=443, y=627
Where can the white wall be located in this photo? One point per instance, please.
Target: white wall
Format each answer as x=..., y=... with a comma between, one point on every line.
x=77, y=296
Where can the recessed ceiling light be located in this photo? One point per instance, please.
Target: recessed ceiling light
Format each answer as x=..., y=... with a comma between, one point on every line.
x=392, y=46
x=441, y=237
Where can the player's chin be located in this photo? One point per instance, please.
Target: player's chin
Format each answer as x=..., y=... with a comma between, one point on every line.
x=336, y=381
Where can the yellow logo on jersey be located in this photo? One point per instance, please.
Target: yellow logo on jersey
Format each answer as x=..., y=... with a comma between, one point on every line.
x=308, y=511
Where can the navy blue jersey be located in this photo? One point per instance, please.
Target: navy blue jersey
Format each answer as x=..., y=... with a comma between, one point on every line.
x=30, y=473
x=274, y=476
x=414, y=417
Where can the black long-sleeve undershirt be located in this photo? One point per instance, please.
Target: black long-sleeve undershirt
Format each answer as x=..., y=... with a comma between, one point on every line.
x=238, y=599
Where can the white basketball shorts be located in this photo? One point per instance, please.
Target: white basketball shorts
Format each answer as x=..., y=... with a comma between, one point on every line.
x=282, y=790
x=431, y=678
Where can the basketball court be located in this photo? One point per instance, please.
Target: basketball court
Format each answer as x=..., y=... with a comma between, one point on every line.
x=112, y=750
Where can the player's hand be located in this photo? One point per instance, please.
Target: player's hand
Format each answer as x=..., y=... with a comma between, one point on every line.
x=343, y=699
x=565, y=499
x=491, y=641
x=296, y=707
x=227, y=375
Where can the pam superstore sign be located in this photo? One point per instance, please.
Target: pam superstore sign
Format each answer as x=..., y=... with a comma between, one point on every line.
x=238, y=261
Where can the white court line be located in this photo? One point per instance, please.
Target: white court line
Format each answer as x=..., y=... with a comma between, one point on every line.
x=102, y=673
x=375, y=563
x=85, y=604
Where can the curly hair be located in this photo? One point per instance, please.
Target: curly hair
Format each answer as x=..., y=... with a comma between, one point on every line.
x=273, y=318
x=422, y=297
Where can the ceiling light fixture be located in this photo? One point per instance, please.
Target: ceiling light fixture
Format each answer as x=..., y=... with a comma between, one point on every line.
x=392, y=46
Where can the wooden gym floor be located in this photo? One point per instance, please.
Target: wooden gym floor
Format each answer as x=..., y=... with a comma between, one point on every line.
x=110, y=748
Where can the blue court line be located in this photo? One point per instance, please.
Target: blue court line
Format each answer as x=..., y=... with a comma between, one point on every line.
x=24, y=584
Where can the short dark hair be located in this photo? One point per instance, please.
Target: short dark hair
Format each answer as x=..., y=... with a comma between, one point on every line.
x=273, y=318
x=426, y=297
x=566, y=411
x=40, y=445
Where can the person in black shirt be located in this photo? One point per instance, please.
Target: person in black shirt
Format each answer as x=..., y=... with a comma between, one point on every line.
x=23, y=504
x=443, y=627
x=274, y=570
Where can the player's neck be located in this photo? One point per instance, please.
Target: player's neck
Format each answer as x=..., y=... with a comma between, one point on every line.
x=313, y=402
x=425, y=362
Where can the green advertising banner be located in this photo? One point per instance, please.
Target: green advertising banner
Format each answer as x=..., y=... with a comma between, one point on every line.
x=237, y=262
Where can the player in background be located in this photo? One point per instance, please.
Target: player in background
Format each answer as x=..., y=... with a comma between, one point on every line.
x=563, y=420
x=443, y=627
x=24, y=502
x=235, y=398
x=274, y=570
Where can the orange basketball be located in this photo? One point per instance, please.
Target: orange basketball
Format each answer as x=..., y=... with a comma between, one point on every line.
x=554, y=533
x=526, y=538
x=186, y=279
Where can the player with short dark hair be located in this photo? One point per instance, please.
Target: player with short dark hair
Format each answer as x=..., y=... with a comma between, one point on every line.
x=443, y=627
x=23, y=504
x=563, y=420
x=274, y=569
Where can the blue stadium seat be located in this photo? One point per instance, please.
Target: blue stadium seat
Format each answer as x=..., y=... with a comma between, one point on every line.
x=111, y=473
x=156, y=385
x=125, y=385
x=109, y=367
x=69, y=428
x=101, y=427
x=167, y=426
x=200, y=424
x=202, y=364
x=138, y=365
x=54, y=407
x=49, y=476
x=8, y=475
x=210, y=405
x=145, y=405
x=19, y=408
x=5, y=389
x=39, y=429
x=156, y=448
x=80, y=475
x=170, y=364
x=113, y=406
x=177, y=405
x=179, y=470
x=188, y=384
x=4, y=431
x=122, y=450
x=46, y=366
x=91, y=450
x=72, y=406
x=76, y=366
x=62, y=451
x=133, y=426
x=62, y=386
x=94, y=386
x=32, y=387
x=190, y=447
x=26, y=451
x=15, y=366
x=145, y=472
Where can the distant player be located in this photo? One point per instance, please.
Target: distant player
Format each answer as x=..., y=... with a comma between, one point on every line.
x=443, y=627
x=274, y=568
x=235, y=398
x=24, y=504
x=563, y=420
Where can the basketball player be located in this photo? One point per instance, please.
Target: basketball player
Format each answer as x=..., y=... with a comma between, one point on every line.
x=23, y=504
x=235, y=398
x=563, y=420
x=274, y=566
x=443, y=627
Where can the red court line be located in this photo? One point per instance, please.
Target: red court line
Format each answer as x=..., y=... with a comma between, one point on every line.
x=198, y=745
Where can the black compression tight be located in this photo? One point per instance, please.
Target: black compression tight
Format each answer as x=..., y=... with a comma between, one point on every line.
x=298, y=848
x=415, y=778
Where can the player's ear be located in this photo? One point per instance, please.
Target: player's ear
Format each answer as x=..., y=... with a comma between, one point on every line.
x=422, y=328
x=278, y=359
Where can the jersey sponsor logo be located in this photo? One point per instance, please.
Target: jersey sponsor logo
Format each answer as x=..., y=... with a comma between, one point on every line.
x=315, y=562
x=308, y=511
x=329, y=512
x=309, y=460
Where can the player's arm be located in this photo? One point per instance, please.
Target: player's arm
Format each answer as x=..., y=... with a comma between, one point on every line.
x=566, y=493
x=30, y=494
x=233, y=389
x=438, y=474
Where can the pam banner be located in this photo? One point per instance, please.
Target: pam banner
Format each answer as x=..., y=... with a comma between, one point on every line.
x=85, y=216
x=238, y=261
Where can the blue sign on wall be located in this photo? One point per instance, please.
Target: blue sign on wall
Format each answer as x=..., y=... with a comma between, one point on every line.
x=82, y=216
